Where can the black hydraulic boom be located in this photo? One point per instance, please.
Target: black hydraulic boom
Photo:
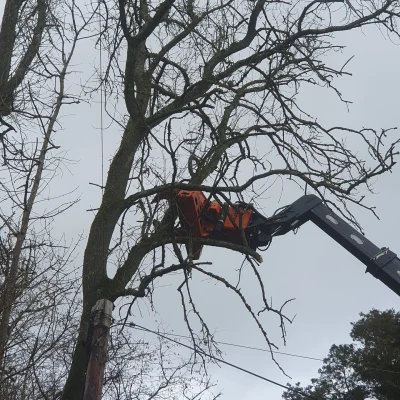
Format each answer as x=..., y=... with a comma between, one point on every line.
x=382, y=263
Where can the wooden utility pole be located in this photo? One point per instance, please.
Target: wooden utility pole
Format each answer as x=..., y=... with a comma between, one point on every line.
x=101, y=314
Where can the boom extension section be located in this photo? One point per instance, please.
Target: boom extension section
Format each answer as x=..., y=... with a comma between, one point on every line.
x=382, y=263
x=204, y=218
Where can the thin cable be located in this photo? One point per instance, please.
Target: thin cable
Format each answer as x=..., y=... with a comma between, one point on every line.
x=253, y=348
x=270, y=351
x=292, y=355
x=136, y=326
x=277, y=352
x=101, y=106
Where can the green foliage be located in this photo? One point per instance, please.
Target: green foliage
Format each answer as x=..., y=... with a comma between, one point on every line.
x=369, y=368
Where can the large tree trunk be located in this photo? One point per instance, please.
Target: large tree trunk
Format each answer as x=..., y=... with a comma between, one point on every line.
x=95, y=283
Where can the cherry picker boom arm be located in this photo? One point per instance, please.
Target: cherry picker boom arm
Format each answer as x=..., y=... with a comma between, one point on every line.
x=382, y=263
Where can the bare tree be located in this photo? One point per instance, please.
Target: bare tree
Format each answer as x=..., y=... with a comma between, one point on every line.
x=38, y=297
x=39, y=287
x=42, y=323
x=211, y=91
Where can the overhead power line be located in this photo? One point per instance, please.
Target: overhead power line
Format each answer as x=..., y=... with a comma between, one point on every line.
x=253, y=348
x=136, y=326
x=276, y=352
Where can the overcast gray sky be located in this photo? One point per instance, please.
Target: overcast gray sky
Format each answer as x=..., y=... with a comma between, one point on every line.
x=329, y=284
